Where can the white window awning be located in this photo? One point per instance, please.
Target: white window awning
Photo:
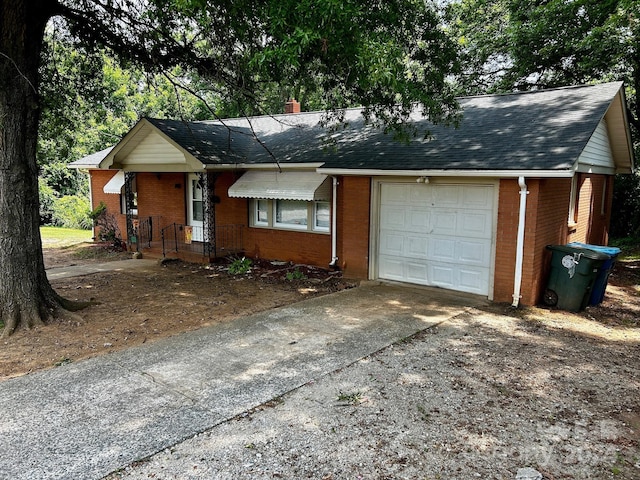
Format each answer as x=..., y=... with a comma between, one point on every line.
x=307, y=186
x=115, y=184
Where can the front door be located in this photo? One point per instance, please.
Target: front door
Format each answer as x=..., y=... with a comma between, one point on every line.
x=195, y=208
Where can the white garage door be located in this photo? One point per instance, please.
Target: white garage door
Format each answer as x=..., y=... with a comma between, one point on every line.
x=437, y=235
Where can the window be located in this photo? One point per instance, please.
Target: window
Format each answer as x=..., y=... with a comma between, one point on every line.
x=321, y=216
x=573, y=202
x=261, y=214
x=603, y=206
x=196, y=201
x=291, y=215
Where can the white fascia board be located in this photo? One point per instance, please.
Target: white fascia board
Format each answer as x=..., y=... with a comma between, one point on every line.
x=595, y=169
x=449, y=173
x=265, y=166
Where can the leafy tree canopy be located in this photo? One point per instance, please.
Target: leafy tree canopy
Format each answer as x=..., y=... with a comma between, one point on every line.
x=509, y=45
x=386, y=55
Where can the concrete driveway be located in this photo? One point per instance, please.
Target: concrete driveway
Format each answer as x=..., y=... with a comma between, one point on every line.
x=85, y=420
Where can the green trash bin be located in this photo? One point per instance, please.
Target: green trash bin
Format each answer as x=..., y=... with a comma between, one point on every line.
x=573, y=274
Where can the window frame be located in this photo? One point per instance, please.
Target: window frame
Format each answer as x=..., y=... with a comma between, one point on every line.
x=272, y=223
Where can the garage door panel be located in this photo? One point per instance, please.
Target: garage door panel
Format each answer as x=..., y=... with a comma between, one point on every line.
x=416, y=272
x=392, y=217
x=442, y=249
x=417, y=247
x=474, y=224
x=446, y=195
x=472, y=252
x=395, y=193
x=393, y=267
x=480, y=196
x=439, y=235
x=442, y=276
x=392, y=244
x=473, y=280
x=420, y=194
x=444, y=222
x=419, y=220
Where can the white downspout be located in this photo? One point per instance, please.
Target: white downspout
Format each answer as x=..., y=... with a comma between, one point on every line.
x=334, y=224
x=517, y=282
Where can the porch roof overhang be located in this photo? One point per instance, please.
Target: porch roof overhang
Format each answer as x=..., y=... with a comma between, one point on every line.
x=146, y=148
x=115, y=184
x=307, y=186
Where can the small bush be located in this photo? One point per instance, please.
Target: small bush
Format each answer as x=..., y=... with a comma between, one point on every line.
x=107, y=224
x=295, y=275
x=47, y=198
x=71, y=211
x=240, y=266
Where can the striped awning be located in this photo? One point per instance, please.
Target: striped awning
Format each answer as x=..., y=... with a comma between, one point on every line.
x=307, y=186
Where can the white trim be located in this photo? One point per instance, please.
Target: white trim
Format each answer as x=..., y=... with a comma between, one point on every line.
x=449, y=173
x=334, y=224
x=573, y=198
x=264, y=166
x=374, y=219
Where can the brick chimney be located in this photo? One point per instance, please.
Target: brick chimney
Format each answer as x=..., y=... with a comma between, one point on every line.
x=292, y=106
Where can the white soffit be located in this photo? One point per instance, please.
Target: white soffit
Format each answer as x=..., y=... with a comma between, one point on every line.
x=115, y=184
x=307, y=186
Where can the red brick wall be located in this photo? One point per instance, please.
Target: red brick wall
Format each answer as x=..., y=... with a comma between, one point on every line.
x=162, y=195
x=547, y=217
x=545, y=223
x=230, y=211
x=592, y=226
x=354, y=200
x=299, y=247
x=99, y=179
x=506, y=234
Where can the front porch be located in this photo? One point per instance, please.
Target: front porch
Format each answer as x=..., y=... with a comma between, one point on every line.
x=154, y=236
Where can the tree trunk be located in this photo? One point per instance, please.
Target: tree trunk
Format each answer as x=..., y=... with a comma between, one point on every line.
x=26, y=297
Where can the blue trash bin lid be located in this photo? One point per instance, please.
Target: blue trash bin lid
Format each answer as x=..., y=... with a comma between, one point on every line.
x=611, y=251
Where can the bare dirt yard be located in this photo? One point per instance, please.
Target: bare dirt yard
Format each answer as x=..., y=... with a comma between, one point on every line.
x=487, y=394
x=134, y=307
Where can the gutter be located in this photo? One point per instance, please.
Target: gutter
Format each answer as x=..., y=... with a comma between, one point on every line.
x=449, y=173
x=334, y=223
x=517, y=281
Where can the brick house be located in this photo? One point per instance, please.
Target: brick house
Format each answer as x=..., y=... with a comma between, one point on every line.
x=468, y=209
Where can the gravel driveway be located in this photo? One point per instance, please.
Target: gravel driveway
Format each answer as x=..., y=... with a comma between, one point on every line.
x=479, y=396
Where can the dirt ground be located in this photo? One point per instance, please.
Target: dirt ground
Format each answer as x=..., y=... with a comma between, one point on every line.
x=135, y=307
x=139, y=306
x=484, y=395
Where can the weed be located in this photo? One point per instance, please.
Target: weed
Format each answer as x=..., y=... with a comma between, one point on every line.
x=350, y=398
x=426, y=416
x=63, y=361
x=240, y=265
x=295, y=275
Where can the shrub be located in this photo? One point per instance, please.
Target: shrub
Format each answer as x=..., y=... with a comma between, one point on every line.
x=107, y=224
x=71, y=211
x=47, y=197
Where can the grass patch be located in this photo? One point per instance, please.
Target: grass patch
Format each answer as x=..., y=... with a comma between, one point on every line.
x=57, y=237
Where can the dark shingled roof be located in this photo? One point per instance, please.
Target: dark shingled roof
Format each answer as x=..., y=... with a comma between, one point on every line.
x=540, y=130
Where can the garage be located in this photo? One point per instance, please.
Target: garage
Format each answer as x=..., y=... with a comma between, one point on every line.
x=437, y=234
